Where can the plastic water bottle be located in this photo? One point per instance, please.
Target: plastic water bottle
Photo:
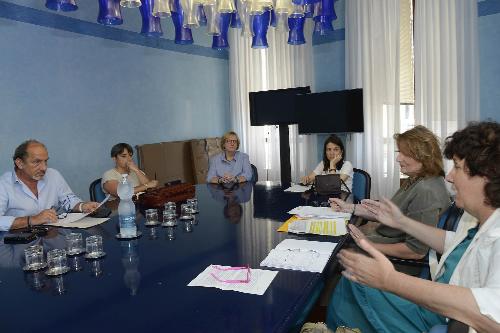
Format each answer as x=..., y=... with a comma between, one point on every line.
x=126, y=208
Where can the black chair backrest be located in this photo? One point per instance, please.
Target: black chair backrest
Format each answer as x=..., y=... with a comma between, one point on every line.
x=255, y=174
x=96, y=192
x=361, y=185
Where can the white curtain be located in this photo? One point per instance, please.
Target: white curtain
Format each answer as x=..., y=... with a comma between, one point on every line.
x=372, y=63
x=279, y=66
x=446, y=64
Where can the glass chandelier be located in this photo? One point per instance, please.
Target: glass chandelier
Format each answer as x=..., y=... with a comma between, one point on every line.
x=252, y=17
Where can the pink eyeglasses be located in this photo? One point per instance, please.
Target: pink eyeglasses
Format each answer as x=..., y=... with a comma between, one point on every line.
x=220, y=270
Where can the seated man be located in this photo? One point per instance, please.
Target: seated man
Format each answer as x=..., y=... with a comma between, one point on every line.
x=29, y=193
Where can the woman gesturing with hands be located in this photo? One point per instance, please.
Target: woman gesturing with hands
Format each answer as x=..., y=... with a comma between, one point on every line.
x=374, y=297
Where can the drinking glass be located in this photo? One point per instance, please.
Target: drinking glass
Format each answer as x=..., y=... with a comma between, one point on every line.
x=34, y=258
x=186, y=212
x=169, y=219
x=93, y=245
x=74, y=243
x=170, y=206
x=57, y=262
x=151, y=217
x=194, y=204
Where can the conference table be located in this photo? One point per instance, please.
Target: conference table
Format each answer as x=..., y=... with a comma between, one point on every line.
x=141, y=284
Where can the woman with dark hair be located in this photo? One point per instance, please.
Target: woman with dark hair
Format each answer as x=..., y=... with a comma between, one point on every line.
x=423, y=196
x=465, y=284
x=121, y=154
x=333, y=162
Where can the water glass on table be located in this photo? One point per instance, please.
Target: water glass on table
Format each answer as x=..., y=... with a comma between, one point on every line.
x=93, y=247
x=57, y=262
x=169, y=218
x=34, y=258
x=186, y=212
x=151, y=217
x=74, y=242
x=193, y=202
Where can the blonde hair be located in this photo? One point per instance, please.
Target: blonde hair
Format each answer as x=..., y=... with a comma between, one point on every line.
x=225, y=137
x=422, y=145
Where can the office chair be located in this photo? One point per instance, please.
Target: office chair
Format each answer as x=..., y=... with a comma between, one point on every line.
x=255, y=174
x=96, y=192
x=361, y=185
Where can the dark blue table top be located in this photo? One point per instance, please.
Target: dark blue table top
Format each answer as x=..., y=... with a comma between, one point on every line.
x=141, y=285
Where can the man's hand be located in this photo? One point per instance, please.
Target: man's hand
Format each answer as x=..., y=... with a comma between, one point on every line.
x=45, y=216
x=89, y=207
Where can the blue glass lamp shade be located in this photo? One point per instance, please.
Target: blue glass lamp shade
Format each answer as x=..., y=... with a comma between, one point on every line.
x=109, y=12
x=309, y=10
x=322, y=25
x=202, y=19
x=296, y=33
x=273, y=19
x=219, y=42
x=61, y=5
x=260, y=24
x=151, y=25
x=183, y=35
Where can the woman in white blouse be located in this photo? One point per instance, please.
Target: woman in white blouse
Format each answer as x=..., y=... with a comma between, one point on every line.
x=465, y=283
x=333, y=162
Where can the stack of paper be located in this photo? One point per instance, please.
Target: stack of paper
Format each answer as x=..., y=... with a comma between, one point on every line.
x=326, y=227
x=300, y=255
x=296, y=188
x=321, y=212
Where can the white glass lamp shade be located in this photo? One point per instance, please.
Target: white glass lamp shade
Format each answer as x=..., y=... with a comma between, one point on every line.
x=161, y=8
x=190, y=8
x=130, y=3
x=283, y=6
x=254, y=7
x=226, y=6
x=212, y=20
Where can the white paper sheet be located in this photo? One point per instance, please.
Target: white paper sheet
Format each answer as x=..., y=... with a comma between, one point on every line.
x=300, y=255
x=326, y=227
x=296, y=188
x=80, y=220
x=259, y=280
x=320, y=212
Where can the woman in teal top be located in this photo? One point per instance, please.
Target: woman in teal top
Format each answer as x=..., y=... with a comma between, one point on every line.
x=374, y=297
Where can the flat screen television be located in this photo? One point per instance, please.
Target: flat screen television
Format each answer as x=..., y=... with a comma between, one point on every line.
x=331, y=112
x=275, y=107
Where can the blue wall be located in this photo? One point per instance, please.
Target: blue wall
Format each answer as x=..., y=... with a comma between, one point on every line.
x=81, y=94
x=489, y=55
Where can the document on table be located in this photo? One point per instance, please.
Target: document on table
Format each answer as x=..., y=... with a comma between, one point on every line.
x=325, y=227
x=296, y=188
x=321, y=212
x=300, y=255
x=80, y=220
x=257, y=284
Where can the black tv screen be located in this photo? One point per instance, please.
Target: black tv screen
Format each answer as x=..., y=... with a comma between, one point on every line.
x=275, y=107
x=331, y=112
